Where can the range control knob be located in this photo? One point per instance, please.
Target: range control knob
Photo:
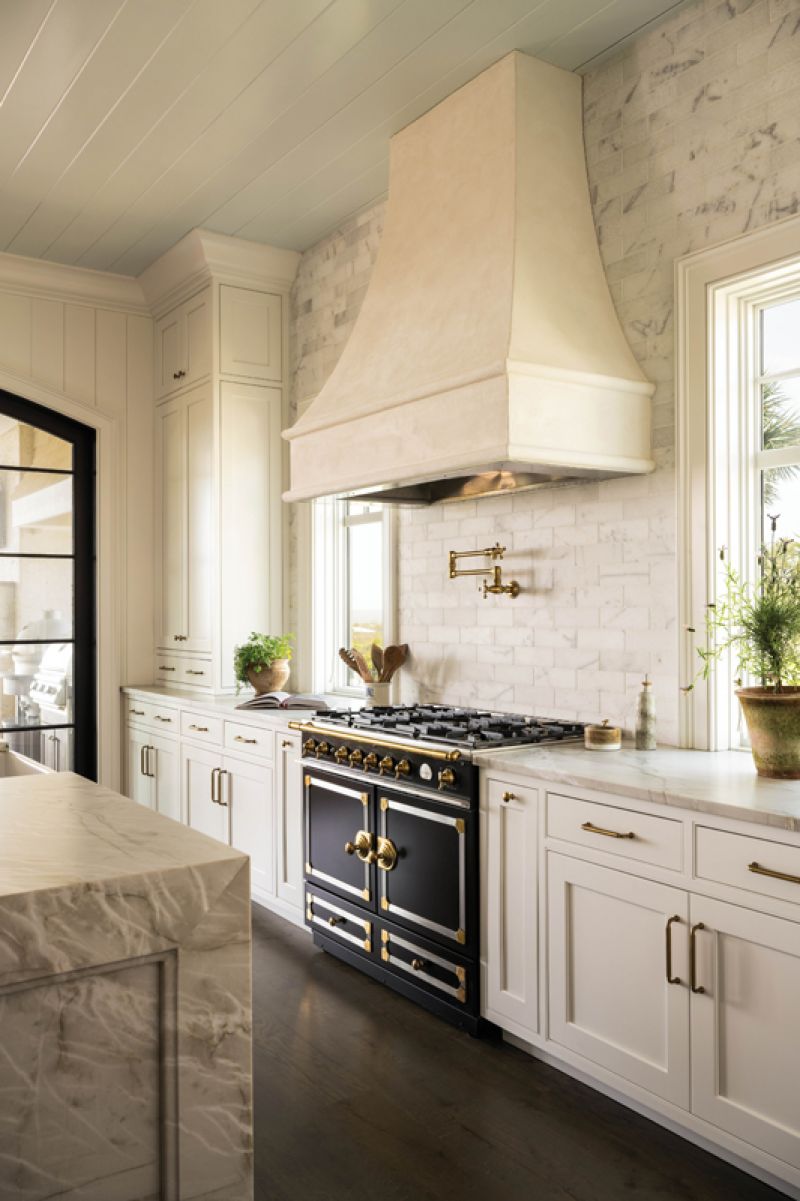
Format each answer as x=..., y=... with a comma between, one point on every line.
x=341, y=754
x=324, y=749
x=309, y=746
x=447, y=778
x=356, y=758
x=403, y=769
x=370, y=761
x=386, y=765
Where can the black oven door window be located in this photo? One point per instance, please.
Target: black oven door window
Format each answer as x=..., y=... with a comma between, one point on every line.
x=340, y=841
x=423, y=857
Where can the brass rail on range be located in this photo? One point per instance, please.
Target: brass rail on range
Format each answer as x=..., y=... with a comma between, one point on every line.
x=346, y=732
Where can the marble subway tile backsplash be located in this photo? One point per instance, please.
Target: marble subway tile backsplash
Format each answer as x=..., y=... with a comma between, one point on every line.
x=692, y=136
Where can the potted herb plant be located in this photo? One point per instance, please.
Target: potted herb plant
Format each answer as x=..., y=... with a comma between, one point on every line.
x=760, y=622
x=263, y=661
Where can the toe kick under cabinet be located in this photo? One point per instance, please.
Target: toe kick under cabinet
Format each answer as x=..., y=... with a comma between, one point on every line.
x=235, y=781
x=654, y=951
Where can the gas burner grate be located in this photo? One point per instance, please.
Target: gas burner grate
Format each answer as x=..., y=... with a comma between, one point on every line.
x=450, y=724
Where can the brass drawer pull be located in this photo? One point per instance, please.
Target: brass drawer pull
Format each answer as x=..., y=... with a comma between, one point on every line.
x=773, y=875
x=241, y=738
x=508, y=796
x=670, y=978
x=200, y=729
x=168, y=720
x=591, y=829
x=693, y=958
x=335, y=921
x=163, y=668
x=189, y=672
x=136, y=712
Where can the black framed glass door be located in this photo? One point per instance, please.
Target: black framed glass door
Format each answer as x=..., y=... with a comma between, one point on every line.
x=48, y=702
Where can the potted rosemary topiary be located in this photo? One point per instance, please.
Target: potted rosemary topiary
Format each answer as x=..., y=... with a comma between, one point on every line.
x=760, y=622
x=263, y=661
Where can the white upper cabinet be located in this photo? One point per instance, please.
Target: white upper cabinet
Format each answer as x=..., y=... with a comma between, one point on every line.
x=250, y=334
x=183, y=345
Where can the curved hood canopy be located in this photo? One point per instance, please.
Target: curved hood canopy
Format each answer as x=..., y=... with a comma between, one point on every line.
x=487, y=356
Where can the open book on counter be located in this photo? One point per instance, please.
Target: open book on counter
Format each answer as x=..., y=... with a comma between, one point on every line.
x=284, y=700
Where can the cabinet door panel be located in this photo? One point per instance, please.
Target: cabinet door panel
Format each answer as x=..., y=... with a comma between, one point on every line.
x=199, y=778
x=169, y=353
x=166, y=767
x=609, y=996
x=510, y=899
x=250, y=333
x=199, y=520
x=138, y=785
x=289, y=822
x=171, y=461
x=745, y=1048
x=247, y=789
x=196, y=318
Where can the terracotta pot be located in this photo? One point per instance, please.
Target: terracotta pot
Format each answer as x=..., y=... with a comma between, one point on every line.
x=773, y=721
x=270, y=679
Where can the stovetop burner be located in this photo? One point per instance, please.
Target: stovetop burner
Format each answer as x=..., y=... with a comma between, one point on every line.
x=472, y=728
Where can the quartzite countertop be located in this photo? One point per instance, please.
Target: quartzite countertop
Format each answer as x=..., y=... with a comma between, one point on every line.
x=124, y=1000
x=723, y=783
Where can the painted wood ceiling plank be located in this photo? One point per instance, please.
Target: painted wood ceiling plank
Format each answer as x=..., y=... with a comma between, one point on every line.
x=126, y=44
x=313, y=52
x=187, y=51
x=65, y=41
x=353, y=74
x=21, y=21
x=613, y=24
x=333, y=210
x=273, y=26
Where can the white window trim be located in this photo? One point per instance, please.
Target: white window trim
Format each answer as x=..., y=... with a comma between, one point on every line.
x=718, y=292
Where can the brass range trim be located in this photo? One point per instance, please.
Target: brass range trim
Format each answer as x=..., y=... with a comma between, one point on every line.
x=349, y=735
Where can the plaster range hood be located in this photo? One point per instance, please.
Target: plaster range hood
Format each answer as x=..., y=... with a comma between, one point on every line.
x=487, y=356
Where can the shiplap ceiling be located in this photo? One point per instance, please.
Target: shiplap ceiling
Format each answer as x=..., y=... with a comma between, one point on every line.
x=126, y=123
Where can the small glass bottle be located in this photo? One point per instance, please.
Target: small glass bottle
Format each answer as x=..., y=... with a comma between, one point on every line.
x=646, y=718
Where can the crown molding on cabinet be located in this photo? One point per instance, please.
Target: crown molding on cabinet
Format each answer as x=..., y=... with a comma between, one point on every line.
x=200, y=254
x=59, y=281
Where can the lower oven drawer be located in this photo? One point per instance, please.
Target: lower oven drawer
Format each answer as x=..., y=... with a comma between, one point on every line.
x=351, y=929
x=436, y=972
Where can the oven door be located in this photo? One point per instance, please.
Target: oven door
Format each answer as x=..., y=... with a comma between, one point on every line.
x=340, y=843
x=427, y=868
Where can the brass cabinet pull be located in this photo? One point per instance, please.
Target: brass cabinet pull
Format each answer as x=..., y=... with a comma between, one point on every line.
x=168, y=720
x=693, y=957
x=200, y=729
x=189, y=672
x=335, y=921
x=241, y=738
x=214, y=771
x=592, y=829
x=670, y=978
x=508, y=796
x=768, y=871
x=386, y=857
x=222, y=772
x=136, y=712
x=163, y=668
x=142, y=767
x=286, y=742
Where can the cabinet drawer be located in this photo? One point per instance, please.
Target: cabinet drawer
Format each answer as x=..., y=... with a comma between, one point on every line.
x=351, y=929
x=168, y=670
x=201, y=728
x=195, y=672
x=434, y=971
x=624, y=832
x=249, y=740
x=755, y=864
x=152, y=715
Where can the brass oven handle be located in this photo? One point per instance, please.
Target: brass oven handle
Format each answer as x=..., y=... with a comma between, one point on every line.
x=670, y=978
x=592, y=829
x=773, y=875
x=693, y=958
x=451, y=756
x=386, y=856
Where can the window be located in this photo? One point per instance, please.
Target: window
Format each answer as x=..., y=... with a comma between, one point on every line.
x=738, y=440
x=354, y=574
x=47, y=591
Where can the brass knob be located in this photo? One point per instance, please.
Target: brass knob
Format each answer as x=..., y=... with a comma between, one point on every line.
x=370, y=761
x=403, y=769
x=386, y=765
x=386, y=856
x=417, y=964
x=508, y=796
x=323, y=749
x=309, y=746
x=356, y=758
x=447, y=778
x=341, y=754
x=361, y=846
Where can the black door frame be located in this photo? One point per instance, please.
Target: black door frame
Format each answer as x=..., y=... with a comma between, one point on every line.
x=84, y=660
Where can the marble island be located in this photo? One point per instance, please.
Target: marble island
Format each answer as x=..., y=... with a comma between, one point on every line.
x=723, y=783
x=125, y=1014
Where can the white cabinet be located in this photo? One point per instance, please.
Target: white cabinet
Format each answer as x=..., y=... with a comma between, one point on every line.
x=509, y=886
x=745, y=1045
x=289, y=822
x=251, y=333
x=247, y=790
x=183, y=344
x=185, y=534
x=204, y=806
x=609, y=996
x=137, y=772
x=152, y=771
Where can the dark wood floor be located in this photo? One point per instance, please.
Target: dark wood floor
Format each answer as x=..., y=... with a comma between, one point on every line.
x=360, y=1095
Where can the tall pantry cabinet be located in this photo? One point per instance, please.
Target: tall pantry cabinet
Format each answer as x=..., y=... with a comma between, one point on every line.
x=221, y=317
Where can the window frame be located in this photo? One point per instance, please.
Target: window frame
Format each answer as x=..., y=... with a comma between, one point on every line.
x=720, y=294
x=329, y=558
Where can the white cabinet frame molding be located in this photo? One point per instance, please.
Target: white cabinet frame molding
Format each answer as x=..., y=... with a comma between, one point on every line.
x=719, y=292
